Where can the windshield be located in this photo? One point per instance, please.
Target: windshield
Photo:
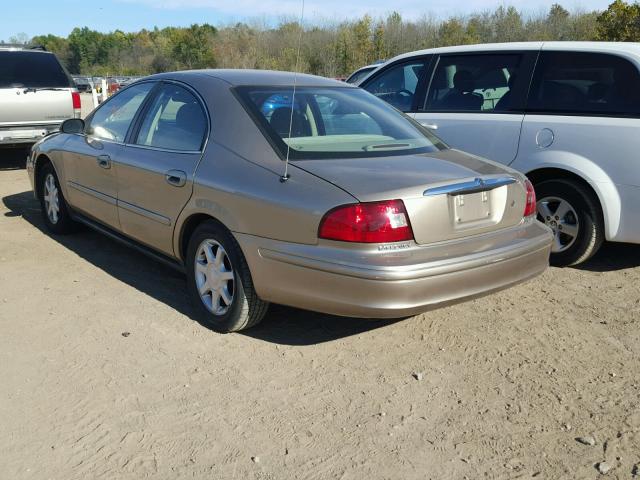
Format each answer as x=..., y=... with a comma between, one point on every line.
x=32, y=70
x=334, y=122
x=360, y=74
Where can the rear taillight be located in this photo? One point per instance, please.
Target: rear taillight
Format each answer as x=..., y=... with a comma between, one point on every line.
x=77, y=105
x=530, y=204
x=374, y=222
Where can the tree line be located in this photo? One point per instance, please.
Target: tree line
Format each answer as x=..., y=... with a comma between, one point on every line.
x=328, y=48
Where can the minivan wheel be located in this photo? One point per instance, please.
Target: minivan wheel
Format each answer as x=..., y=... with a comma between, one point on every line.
x=574, y=215
x=53, y=205
x=219, y=281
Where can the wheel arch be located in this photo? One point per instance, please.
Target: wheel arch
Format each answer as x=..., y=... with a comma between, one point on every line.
x=186, y=229
x=605, y=193
x=41, y=160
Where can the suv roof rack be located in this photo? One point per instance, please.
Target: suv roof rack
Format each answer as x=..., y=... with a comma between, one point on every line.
x=21, y=46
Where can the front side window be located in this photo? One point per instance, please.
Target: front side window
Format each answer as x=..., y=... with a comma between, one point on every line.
x=585, y=83
x=473, y=83
x=112, y=119
x=398, y=84
x=174, y=121
x=333, y=122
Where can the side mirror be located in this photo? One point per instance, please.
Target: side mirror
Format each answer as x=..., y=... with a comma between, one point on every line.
x=72, y=125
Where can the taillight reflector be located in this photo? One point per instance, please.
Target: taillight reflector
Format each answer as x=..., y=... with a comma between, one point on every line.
x=75, y=98
x=530, y=207
x=374, y=222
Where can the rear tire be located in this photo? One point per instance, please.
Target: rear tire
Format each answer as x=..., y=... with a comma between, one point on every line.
x=574, y=215
x=53, y=205
x=219, y=281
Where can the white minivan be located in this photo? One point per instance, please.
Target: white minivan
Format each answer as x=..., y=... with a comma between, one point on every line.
x=565, y=113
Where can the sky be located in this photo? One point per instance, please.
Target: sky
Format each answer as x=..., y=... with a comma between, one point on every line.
x=59, y=17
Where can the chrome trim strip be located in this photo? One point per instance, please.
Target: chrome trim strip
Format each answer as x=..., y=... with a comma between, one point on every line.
x=144, y=213
x=166, y=150
x=94, y=193
x=474, y=186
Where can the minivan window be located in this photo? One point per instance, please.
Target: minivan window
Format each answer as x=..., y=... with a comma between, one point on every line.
x=473, y=83
x=333, y=122
x=359, y=74
x=397, y=85
x=32, y=70
x=112, y=119
x=585, y=83
x=174, y=121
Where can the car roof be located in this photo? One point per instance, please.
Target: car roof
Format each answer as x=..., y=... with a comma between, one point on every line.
x=18, y=48
x=238, y=77
x=632, y=48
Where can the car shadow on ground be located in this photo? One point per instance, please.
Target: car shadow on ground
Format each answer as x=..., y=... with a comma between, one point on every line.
x=612, y=257
x=13, y=158
x=282, y=325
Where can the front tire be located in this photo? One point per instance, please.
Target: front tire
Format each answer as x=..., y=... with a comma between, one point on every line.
x=53, y=205
x=219, y=281
x=574, y=215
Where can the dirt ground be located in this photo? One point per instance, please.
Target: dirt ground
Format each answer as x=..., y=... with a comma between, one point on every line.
x=497, y=388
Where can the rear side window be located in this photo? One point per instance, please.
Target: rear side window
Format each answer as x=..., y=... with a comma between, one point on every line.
x=174, y=121
x=112, y=119
x=32, y=70
x=474, y=83
x=397, y=84
x=585, y=83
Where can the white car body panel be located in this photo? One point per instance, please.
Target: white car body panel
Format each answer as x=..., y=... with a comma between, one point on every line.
x=494, y=136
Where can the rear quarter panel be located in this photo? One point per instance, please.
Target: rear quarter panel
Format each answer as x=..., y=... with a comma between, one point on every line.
x=250, y=199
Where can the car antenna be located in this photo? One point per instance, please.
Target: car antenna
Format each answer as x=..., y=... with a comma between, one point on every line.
x=286, y=175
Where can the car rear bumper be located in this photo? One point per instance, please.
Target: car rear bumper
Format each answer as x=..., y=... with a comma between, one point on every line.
x=367, y=282
x=26, y=134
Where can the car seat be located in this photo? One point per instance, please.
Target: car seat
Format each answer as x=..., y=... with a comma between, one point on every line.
x=280, y=119
x=462, y=96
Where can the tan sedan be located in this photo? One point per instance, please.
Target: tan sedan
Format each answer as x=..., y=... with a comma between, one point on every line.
x=321, y=197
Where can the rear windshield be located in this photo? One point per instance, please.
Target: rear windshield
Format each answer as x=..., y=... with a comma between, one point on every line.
x=334, y=122
x=32, y=70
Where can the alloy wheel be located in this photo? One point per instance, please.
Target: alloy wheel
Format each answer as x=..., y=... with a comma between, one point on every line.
x=562, y=218
x=215, y=278
x=51, y=198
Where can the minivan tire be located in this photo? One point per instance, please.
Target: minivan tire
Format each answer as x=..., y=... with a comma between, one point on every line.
x=589, y=215
x=246, y=309
x=61, y=223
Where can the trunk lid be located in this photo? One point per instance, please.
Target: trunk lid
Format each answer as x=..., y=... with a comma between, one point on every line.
x=447, y=194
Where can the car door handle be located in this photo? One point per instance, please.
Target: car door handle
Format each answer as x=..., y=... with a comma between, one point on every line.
x=104, y=161
x=430, y=126
x=176, y=178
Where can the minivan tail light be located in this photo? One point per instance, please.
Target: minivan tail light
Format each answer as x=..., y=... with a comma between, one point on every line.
x=372, y=222
x=530, y=208
x=77, y=105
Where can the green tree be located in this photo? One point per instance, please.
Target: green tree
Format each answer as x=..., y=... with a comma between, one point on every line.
x=379, y=47
x=620, y=22
x=193, y=47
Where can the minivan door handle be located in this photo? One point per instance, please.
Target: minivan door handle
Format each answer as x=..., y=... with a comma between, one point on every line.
x=176, y=178
x=104, y=161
